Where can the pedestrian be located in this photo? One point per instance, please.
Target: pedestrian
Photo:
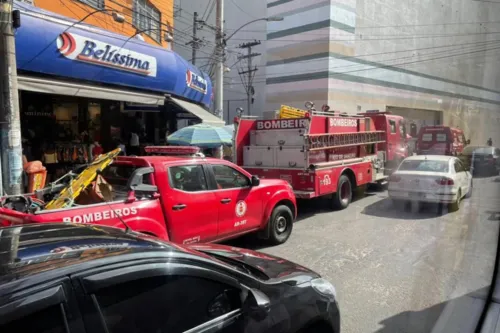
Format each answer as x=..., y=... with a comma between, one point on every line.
x=134, y=144
x=489, y=142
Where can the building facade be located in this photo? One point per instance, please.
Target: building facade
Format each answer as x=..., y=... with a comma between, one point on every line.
x=432, y=62
x=82, y=86
x=139, y=15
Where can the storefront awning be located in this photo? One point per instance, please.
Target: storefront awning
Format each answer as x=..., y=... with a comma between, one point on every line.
x=205, y=116
x=49, y=86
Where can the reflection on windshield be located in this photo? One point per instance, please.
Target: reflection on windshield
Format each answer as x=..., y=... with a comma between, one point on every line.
x=426, y=166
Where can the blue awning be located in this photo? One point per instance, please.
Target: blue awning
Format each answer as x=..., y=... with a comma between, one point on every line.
x=47, y=45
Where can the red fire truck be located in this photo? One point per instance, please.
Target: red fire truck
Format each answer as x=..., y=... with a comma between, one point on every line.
x=322, y=153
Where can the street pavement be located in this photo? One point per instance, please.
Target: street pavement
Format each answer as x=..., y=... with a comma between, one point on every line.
x=397, y=270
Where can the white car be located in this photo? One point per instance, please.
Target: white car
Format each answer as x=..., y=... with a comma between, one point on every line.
x=431, y=178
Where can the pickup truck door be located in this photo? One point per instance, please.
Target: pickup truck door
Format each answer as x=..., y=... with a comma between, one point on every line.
x=240, y=204
x=190, y=206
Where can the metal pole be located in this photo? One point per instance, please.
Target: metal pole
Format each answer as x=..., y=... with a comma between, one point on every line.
x=249, y=84
x=219, y=72
x=195, y=43
x=12, y=156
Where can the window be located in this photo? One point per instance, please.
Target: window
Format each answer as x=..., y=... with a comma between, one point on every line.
x=48, y=320
x=392, y=124
x=441, y=137
x=227, y=177
x=402, y=129
x=459, y=167
x=189, y=178
x=170, y=304
x=424, y=165
x=147, y=18
x=119, y=174
x=99, y=4
x=427, y=137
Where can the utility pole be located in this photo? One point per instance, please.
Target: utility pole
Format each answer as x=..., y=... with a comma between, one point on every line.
x=250, y=72
x=219, y=54
x=196, y=42
x=10, y=124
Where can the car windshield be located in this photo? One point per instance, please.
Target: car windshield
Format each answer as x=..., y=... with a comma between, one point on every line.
x=424, y=165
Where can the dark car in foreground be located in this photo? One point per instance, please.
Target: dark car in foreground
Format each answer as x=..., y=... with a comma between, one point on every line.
x=77, y=278
x=481, y=160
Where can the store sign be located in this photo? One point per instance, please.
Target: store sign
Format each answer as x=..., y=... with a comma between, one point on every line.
x=79, y=48
x=196, y=82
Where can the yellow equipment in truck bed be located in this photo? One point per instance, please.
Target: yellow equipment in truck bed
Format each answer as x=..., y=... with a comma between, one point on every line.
x=68, y=195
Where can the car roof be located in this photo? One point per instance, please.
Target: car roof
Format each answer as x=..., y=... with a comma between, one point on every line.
x=429, y=157
x=31, y=249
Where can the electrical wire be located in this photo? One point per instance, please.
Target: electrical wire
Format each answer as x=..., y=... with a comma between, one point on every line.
x=393, y=52
x=242, y=10
x=400, y=64
x=209, y=3
x=398, y=26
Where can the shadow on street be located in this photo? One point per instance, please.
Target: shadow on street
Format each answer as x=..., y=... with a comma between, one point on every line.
x=456, y=315
x=411, y=211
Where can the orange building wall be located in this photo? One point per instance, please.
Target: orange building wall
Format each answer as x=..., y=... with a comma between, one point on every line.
x=77, y=10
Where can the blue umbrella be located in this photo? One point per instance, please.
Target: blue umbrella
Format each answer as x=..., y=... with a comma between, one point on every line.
x=201, y=135
x=229, y=129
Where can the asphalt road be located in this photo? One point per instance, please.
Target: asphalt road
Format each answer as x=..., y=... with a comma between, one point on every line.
x=396, y=270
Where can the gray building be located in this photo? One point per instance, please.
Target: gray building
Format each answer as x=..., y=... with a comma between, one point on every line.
x=434, y=62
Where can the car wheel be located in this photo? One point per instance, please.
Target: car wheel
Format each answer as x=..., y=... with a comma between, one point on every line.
x=342, y=198
x=456, y=205
x=469, y=192
x=281, y=224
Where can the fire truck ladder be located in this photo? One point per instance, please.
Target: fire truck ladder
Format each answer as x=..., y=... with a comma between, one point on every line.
x=316, y=142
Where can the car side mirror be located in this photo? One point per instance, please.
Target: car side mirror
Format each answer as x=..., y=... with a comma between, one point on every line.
x=255, y=181
x=257, y=305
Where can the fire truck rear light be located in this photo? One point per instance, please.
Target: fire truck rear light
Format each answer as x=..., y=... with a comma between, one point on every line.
x=445, y=181
x=236, y=120
x=307, y=115
x=395, y=178
x=172, y=150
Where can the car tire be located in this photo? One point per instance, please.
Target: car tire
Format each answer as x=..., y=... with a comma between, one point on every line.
x=343, y=197
x=469, y=192
x=280, y=224
x=456, y=205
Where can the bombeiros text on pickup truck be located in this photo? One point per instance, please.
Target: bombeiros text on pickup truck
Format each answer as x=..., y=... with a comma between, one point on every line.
x=173, y=193
x=324, y=152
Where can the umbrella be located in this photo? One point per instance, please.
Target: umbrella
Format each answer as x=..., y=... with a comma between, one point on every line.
x=201, y=135
x=229, y=129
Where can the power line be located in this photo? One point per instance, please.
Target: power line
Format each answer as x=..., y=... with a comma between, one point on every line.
x=349, y=58
x=241, y=9
x=367, y=39
x=397, y=26
x=401, y=64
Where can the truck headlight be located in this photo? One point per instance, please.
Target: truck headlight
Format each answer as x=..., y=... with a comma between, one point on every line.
x=324, y=287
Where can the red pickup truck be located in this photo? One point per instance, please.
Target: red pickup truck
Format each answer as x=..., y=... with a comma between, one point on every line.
x=184, y=199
